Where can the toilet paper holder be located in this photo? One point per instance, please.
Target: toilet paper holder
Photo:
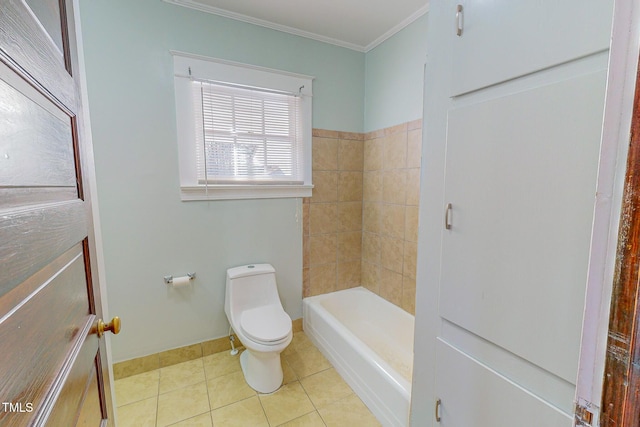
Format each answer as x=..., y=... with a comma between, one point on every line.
x=169, y=279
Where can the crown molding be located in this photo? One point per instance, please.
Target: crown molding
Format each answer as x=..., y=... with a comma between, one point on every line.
x=397, y=28
x=194, y=4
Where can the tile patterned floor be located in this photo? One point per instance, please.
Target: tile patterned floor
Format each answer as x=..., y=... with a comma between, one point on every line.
x=211, y=392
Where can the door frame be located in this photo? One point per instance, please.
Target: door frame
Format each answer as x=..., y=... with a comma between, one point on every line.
x=91, y=198
x=620, y=392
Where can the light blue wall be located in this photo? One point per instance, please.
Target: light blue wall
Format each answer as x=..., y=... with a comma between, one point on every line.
x=147, y=231
x=394, y=74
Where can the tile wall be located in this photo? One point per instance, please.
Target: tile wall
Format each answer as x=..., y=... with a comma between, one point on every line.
x=361, y=223
x=332, y=232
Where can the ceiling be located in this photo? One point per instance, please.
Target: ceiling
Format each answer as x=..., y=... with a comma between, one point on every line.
x=355, y=24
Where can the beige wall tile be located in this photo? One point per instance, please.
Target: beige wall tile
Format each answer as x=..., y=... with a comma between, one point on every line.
x=391, y=253
x=136, y=366
x=323, y=249
x=179, y=355
x=322, y=279
x=305, y=251
x=414, y=148
x=325, y=187
x=325, y=133
x=350, y=155
x=305, y=218
x=393, y=220
x=348, y=274
x=349, y=216
x=415, y=124
x=394, y=148
x=350, y=186
x=401, y=128
x=215, y=346
x=371, y=247
x=370, y=277
x=323, y=218
x=411, y=223
x=410, y=259
x=391, y=286
x=409, y=295
x=351, y=136
x=413, y=187
x=394, y=183
x=372, y=186
x=372, y=217
x=349, y=246
x=372, y=154
x=306, y=282
x=324, y=154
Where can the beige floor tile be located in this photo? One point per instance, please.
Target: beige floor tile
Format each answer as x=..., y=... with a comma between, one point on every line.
x=289, y=375
x=137, y=387
x=219, y=364
x=181, y=375
x=299, y=341
x=348, y=412
x=181, y=404
x=246, y=413
x=325, y=387
x=138, y=414
x=307, y=361
x=310, y=420
x=203, y=420
x=286, y=404
x=227, y=389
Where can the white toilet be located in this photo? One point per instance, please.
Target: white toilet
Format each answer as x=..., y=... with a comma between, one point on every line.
x=256, y=315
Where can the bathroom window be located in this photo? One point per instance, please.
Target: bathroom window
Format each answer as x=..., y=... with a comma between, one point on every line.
x=243, y=131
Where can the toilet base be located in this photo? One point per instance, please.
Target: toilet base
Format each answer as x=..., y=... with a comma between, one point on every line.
x=262, y=371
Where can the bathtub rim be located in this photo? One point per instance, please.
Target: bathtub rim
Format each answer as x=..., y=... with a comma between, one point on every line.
x=379, y=405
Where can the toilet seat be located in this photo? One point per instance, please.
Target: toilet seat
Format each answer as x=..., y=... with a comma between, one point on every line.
x=268, y=324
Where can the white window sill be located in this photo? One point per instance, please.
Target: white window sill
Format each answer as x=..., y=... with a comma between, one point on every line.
x=235, y=192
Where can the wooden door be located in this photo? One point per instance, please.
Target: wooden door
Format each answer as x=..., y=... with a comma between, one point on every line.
x=513, y=119
x=53, y=367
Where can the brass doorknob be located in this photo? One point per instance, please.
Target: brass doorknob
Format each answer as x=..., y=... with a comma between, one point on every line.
x=113, y=326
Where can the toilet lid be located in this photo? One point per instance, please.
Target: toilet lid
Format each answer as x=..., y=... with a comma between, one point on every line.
x=268, y=323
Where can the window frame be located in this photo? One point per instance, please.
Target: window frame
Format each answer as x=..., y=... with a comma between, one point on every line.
x=189, y=67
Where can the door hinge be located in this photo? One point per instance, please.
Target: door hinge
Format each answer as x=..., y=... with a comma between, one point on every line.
x=586, y=414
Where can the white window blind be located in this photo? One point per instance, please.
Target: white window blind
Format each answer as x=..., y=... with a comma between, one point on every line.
x=243, y=131
x=247, y=135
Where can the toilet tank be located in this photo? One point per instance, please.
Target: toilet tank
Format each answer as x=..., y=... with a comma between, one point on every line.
x=250, y=286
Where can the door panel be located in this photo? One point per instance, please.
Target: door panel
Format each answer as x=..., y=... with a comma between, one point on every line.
x=474, y=395
x=38, y=147
x=52, y=364
x=25, y=46
x=520, y=174
x=503, y=39
x=81, y=391
x=42, y=333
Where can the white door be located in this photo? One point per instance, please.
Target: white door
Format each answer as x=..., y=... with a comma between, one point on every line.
x=514, y=99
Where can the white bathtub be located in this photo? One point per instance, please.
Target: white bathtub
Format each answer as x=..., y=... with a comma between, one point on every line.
x=370, y=343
